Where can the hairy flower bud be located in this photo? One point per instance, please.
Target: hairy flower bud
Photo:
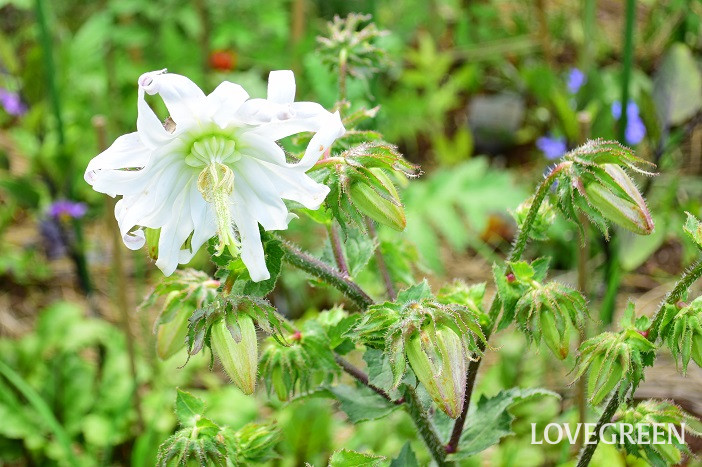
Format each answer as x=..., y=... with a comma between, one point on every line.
x=239, y=356
x=377, y=198
x=438, y=359
x=616, y=197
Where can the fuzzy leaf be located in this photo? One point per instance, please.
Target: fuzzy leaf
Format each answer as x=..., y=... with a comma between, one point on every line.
x=490, y=420
x=361, y=403
x=348, y=458
x=406, y=458
x=414, y=293
x=188, y=408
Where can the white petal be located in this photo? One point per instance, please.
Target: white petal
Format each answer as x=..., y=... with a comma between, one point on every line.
x=295, y=185
x=251, y=247
x=184, y=99
x=130, y=182
x=281, y=86
x=262, y=149
x=128, y=151
x=322, y=140
x=149, y=127
x=224, y=102
x=276, y=121
x=174, y=233
x=203, y=223
x=259, y=195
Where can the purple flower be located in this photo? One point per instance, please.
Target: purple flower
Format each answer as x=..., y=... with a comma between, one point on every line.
x=65, y=208
x=635, y=128
x=52, y=239
x=552, y=147
x=576, y=79
x=12, y=102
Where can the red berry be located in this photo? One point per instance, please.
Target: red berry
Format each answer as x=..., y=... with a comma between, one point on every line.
x=222, y=60
x=511, y=278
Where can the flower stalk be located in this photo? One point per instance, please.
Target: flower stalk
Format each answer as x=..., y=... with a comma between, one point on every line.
x=326, y=273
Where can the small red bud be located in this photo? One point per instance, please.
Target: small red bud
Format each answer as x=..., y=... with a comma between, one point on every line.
x=222, y=60
x=511, y=278
x=449, y=449
x=680, y=305
x=644, y=333
x=296, y=336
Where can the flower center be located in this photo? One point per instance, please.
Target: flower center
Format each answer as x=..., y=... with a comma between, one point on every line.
x=216, y=183
x=211, y=148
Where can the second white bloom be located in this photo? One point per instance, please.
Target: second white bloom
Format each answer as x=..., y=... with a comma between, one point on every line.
x=214, y=168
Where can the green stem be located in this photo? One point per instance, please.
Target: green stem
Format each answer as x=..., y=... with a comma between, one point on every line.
x=42, y=409
x=590, y=446
x=684, y=283
x=525, y=228
x=50, y=71
x=338, y=251
x=425, y=427
x=326, y=273
x=471, y=376
x=380, y=261
x=362, y=378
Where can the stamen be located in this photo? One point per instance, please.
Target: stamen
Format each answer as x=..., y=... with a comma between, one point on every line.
x=216, y=183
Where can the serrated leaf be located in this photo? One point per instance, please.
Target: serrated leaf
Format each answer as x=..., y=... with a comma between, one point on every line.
x=188, y=408
x=406, y=458
x=361, y=403
x=490, y=421
x=414, y=293
x=348, y=458
x=693, y=228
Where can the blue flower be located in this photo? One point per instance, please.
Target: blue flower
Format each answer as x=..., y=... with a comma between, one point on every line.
x=552, y=147
x=576, y=79
x=635, y=129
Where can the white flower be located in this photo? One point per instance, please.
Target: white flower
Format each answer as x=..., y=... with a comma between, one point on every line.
x=214, y=168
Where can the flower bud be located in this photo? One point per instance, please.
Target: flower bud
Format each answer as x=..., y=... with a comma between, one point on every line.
x=170, y=337
x=378, y=199
x=239, y=359
x=616, y=197
x=438, y=359
x=605, y=375
x=558, y=344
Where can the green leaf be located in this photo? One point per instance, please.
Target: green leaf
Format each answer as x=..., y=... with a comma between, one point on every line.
x=359, y=249
x=414, y=293
x=693, y=228
x=490, y=420
x=188, y=408
x=406, y=458
x=348, y=458
x=361, y=403
x=677, y=86
x=274, y=262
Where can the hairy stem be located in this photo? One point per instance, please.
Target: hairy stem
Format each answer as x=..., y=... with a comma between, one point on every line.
x=525, y=228
x=609, y=411
x=380, y=261
x=684, y=283
x=326, y=273
x=471, y=375
x=335, y=241
x=425, y=427
x=362, y=378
